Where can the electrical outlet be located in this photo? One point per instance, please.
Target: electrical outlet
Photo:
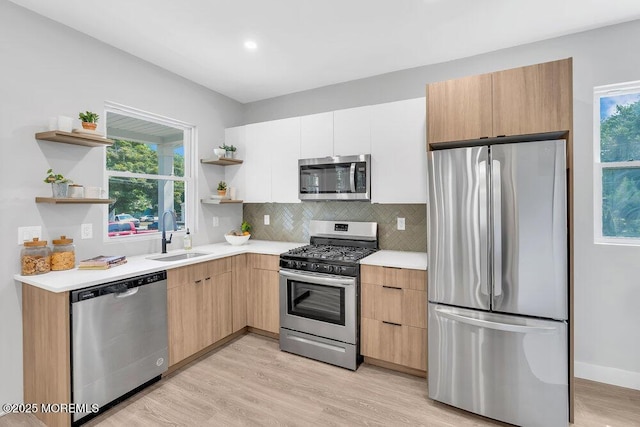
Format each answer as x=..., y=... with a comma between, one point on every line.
x=28, y=233
x=267, y=220
x=401, y=224
x=86, y=231
x=216, y=221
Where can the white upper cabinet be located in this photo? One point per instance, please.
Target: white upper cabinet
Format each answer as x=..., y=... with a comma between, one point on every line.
x=393, y=133
x=398, y=155
x=285, y=152
x=316, y=135
x=352, y=131
x=271, y=161
x=257, y=163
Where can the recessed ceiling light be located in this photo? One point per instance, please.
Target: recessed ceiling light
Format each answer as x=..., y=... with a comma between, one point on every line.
x=250, y=44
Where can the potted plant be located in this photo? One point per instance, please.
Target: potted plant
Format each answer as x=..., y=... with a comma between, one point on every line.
x=89, y=120
x=229, y=151
x=59, y=184
x=222, y=188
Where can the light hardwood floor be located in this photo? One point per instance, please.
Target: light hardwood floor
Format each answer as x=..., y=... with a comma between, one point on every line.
x=250, y=382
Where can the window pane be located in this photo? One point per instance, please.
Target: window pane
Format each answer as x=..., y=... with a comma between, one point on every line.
x=140, y=199
x=620, y=128
x=137, y=157
x=621, y=202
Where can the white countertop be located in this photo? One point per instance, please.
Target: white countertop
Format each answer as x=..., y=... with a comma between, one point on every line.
x=69, y=280
x=399, y=259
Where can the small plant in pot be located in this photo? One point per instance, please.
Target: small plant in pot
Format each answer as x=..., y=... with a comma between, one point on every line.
x=89, y=120
x=222, y=188
x=59, y=184
x=229, y=151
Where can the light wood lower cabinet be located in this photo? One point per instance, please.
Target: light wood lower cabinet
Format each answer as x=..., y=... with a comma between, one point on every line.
x=395, y=305
x=263, y=293
x=394, y=316
x=395, y=343
x=199, y=307
x=46, y=351
x=239, y=279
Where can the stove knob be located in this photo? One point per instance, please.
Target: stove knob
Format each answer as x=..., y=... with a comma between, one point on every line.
x=298, y=264
x=314, y=266
x=329, y=268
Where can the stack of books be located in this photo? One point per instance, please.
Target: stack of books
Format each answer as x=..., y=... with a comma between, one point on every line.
x=102, y=262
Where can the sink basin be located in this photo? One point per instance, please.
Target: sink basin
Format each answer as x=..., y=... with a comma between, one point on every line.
x=178, y=257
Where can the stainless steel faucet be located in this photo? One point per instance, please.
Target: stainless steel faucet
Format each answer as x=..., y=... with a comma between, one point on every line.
x=164, y=229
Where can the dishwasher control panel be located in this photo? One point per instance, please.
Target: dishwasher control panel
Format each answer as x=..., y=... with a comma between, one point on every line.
x=116, y=287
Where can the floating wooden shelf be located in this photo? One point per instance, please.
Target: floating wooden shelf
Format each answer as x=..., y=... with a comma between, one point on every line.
x=69, y=200
x=84, y=139
x=218, y=201
x=222, y=161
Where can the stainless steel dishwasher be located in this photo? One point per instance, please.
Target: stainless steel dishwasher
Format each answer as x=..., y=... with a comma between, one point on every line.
x=119, y=340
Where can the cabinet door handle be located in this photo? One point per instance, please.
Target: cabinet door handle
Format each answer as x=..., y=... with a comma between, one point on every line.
x=391, y=287
x=198, y=281
x=391, y=323
x=207, y=278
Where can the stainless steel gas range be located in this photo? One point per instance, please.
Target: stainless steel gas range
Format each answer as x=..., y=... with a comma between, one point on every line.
x=320, y=292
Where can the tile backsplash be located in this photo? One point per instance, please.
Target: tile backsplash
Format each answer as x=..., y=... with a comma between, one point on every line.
x=290, y=221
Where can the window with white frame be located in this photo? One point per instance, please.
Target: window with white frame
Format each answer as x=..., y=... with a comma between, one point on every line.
x=149, y=171
x=617, y=163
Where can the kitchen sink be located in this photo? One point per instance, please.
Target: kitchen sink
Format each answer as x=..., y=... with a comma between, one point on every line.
x=178, y=257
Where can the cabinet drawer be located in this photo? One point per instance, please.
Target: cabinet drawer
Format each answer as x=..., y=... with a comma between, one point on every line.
x=399, y=344
x=392, y=304
x=395, y=277
x=197, y=272
x=186, y=275
x=219, y=266
x=265, y=262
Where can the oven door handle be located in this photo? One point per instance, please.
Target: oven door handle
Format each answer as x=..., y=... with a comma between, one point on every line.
x=322, y=280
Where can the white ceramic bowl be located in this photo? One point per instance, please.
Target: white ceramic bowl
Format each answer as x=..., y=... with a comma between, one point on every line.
x=219, y=152
x=237, y=240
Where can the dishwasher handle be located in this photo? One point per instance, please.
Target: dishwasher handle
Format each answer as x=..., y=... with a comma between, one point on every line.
x=128, y=293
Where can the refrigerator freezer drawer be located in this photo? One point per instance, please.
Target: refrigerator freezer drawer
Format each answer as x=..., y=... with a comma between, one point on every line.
x=509, y=368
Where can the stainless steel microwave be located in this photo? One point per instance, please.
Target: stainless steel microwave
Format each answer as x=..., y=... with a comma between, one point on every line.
x=335, y=178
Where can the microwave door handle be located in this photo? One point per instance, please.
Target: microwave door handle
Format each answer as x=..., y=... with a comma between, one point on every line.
x=352, y=177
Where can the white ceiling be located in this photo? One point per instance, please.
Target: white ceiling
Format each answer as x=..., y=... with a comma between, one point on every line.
x=304, y=44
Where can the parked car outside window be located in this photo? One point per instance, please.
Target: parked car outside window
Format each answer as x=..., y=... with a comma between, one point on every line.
x=121, y=229
x=127, y=218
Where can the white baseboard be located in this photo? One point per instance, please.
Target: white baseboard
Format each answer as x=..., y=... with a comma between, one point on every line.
x=604, y=374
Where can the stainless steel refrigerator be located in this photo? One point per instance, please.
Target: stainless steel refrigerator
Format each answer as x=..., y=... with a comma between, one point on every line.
x=498, y=281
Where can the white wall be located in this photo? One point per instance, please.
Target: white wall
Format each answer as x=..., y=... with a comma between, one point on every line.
x=607, y=289
x=48, y=69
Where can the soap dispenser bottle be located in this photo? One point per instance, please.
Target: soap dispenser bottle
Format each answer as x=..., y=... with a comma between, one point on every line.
x=187, y=240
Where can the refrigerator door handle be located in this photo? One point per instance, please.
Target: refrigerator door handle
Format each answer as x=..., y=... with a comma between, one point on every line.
x=507, y=327
x=483, y=222
x=496, y=195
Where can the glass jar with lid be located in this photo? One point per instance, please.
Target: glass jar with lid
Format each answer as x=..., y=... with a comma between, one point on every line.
x=35, y=257
x=63, y=256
